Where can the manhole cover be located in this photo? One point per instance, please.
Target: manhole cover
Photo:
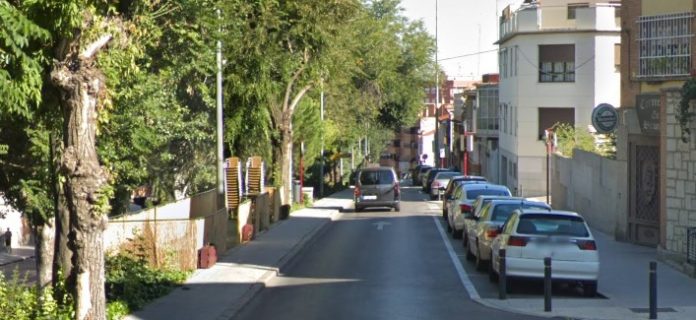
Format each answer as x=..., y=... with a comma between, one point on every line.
x=647, y=310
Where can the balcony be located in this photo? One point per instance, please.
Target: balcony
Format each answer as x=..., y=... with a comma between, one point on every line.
x=487, y=127
x=537, y=18
x=665, y=45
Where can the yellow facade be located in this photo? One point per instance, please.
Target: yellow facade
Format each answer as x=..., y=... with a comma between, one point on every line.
x=648, y=87
x=657, y=7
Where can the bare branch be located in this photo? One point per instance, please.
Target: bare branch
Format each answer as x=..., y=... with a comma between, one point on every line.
x=291, y=84
x=95, y=46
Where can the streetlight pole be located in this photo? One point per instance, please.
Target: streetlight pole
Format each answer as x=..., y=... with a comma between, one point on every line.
x=321, y=167
x=437, y=97
x=220, y=150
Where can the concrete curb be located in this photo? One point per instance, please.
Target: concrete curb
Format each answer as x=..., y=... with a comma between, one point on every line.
x=18, y=259
x=284, y=261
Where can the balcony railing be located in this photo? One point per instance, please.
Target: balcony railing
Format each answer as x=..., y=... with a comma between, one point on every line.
x=664, y=44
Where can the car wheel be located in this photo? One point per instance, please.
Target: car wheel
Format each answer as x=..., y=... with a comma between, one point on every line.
x=457, y=234
x=480, y=263
x=469, y=255
x=589, y=288
x=397, y=207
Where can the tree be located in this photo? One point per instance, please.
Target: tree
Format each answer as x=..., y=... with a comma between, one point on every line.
x=280, y=58
x=62, y=62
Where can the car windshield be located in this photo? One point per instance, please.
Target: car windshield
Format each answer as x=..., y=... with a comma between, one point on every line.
x=472, y=194
x=503, y=211
x=549, y=224
x=376, y=177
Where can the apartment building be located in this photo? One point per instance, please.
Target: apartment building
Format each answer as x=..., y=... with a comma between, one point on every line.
x=558, y=59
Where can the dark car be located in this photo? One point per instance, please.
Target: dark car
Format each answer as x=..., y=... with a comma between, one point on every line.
x=418, y=173
x=428, y=179
x=377, y=187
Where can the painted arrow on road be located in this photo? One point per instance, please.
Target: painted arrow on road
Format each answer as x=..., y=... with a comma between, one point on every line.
x=380, y=224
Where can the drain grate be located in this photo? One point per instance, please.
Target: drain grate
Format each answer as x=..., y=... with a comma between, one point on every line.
x=647, y=310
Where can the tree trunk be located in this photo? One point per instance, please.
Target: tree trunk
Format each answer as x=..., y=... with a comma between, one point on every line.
x=45, y=241
x=286, y=160
x=62, y=256
x=82, y=86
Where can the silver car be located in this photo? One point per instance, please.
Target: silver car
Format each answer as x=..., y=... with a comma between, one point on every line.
x=440, y=182
x=462, y=202
x=377, y=187
x=492, y=216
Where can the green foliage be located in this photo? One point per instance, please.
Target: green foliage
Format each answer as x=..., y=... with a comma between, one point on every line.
x=131, y=283
x=22, y=301
x=20, y=65
x=570, y=138
x=684, y=113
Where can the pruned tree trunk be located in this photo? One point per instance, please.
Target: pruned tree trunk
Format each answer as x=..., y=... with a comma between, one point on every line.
x=82, y=86
x=286, y=159
x=62, y=255
x=45, y=242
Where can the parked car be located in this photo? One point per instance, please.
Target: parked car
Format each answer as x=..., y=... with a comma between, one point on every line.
x=529, y=236
x=453, y=183
x=462, y=202
x=430, y=176
x=377, y=187
x=418, y=172
x=492, y=216
x=470, y=218
x=437, y=187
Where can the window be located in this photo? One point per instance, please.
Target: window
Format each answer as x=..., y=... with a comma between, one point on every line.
x=396, y=143
x=573, y=7
x=664, y=44
x=557, y=63
x=550, y=116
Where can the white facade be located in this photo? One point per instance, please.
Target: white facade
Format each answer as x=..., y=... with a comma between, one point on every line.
x=426, y=136
x=590, y=77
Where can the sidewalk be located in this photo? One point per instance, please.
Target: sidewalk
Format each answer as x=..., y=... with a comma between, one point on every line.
x=18, y=254
x=221, y=291
x=624, y=282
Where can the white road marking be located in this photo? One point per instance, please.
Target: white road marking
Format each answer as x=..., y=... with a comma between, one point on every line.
x=380, y=224
x=463, y=277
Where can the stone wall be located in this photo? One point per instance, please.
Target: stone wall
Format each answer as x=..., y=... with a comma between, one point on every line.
x=678, y=183
x=593, y=186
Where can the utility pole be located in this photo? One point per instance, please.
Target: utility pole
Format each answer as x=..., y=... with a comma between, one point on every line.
x=220, y=150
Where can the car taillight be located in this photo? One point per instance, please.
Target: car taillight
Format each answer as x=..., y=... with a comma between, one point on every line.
x=515, y=241
x=465, y=208
x=357, y=192
x=586, y=245
x=491, y=232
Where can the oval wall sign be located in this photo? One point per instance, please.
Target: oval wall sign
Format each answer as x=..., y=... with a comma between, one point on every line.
x=605, y=118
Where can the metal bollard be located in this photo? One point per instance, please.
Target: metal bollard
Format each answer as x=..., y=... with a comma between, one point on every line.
x=502, y=276
x=653, y=290
x=547, y=284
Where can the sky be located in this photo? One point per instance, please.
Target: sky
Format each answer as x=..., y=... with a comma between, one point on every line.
x=465, y=27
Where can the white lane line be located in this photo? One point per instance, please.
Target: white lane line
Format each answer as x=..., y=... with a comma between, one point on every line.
x=463, y=277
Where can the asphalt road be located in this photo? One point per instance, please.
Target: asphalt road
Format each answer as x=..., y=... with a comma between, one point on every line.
x=379, y=264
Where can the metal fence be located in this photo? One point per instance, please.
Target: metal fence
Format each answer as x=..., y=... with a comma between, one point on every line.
x=691, y=245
